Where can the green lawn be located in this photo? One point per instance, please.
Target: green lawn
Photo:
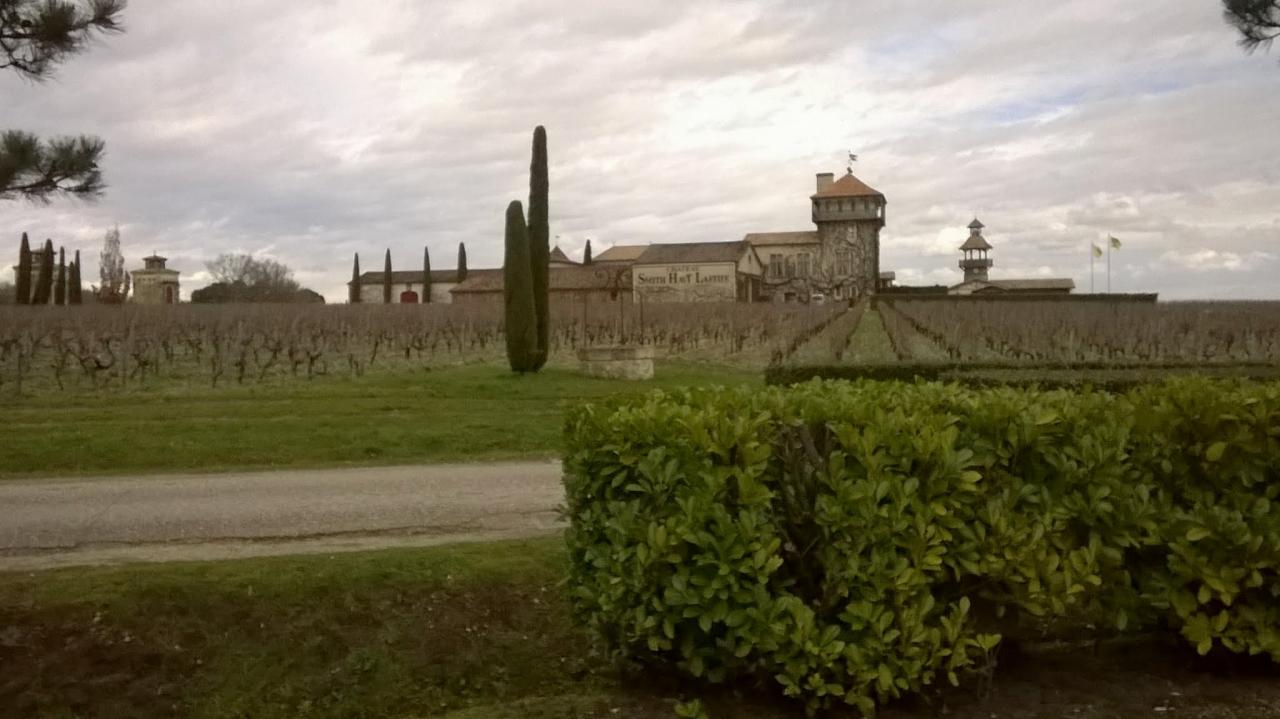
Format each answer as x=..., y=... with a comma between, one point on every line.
x=477, y=631
x=475, y=412
x=870, y=342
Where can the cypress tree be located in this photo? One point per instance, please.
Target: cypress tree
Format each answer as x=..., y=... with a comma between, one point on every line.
x=60, y=285
x=540, y=242
x=75, y=293
x=44, y=283
x=517, y=294
x=426, y=275
x=586, y=254
x=353, y=294
x=386, y=278
x=462, y=261
x=22, y=291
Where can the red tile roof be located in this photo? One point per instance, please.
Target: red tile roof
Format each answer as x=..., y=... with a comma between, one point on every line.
x=848, y=186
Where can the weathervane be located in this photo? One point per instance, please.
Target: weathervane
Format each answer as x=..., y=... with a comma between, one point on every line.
x=852, y=159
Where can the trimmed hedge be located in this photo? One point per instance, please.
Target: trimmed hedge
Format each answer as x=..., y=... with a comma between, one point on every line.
x=1113, y=376
x=854, y=542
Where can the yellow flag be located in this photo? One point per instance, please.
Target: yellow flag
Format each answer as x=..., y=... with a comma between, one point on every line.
x=1097, y=251
x=1115, y=242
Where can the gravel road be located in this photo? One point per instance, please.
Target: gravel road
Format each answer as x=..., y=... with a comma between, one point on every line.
x=109, y=520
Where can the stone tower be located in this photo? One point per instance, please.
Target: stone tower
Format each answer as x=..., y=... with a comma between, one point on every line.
x=155, y=284
x=849, y=215
x=975, y=262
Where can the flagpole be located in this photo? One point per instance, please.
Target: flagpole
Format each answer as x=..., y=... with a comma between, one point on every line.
x=1109, y=264
x=1091, y=268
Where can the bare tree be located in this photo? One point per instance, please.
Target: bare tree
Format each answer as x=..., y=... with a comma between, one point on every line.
x=259, y=272
x=115, y=281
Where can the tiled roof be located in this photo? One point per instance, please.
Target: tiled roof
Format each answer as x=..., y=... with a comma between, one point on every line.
x=1023, y=285
x=621, y=253
x=803, y=237
x=976, y=242
x=1053, y=283
x=848, y=186
x=691, y=252
x=559, y=278
x=558, y=255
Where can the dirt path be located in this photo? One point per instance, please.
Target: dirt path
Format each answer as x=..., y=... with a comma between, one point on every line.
x=55, y=523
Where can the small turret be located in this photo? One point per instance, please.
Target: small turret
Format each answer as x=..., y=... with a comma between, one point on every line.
x=975, y=262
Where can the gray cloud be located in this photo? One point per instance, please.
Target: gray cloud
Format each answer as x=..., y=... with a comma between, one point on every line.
x=320, y=130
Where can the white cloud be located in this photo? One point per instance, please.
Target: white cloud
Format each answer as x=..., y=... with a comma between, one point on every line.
x=320, y=130
x=1212, y=260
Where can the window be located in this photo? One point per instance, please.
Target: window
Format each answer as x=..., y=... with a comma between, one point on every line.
x=802, y=264
x=775, y=266
x=844, y=262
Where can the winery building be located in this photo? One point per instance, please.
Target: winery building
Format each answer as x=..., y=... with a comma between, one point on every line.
x=407, y=285
x=567, y=286
x=697, y=272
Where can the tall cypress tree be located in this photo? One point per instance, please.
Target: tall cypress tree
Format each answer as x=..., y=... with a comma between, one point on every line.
x=44, y=283
x=23, y=289
x=75, y=293
x=520, y=314
x=386, y=278
x=462, y=261
x=426, y=275
x=586, y=254
x=60, y=284
x=353, y=294
x=540, y=242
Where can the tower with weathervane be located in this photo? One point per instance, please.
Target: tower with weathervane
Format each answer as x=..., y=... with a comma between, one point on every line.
x=974, y=260
x=849, y=215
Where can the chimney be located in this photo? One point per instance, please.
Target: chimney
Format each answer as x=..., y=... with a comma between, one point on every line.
x=825, y=179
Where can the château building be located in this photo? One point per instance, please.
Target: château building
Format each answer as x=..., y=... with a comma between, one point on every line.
x=840, y=259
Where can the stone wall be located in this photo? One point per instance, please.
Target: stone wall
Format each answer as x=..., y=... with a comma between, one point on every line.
x=632, y=363
x=371, y=293
x=848, y=258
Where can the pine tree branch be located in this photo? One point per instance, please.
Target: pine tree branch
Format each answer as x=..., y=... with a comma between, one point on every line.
x=36, y=170
x=1258, y=21
x=36, y=35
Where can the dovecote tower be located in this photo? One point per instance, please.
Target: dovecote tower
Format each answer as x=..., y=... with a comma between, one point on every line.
x=155, y=284
x=849, y=215
x=975, y=262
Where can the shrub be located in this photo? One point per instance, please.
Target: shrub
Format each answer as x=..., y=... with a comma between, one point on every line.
x=1112, y=376
x=857, y=541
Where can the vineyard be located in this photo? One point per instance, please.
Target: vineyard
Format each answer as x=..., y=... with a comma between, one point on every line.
x=1092, y=332
x=1026, y=333
x=100, y=347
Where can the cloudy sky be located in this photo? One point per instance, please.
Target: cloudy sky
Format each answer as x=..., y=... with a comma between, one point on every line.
x=307, y=132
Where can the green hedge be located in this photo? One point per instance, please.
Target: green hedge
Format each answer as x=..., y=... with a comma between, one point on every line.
x=1114, y=376
x=854, y=542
